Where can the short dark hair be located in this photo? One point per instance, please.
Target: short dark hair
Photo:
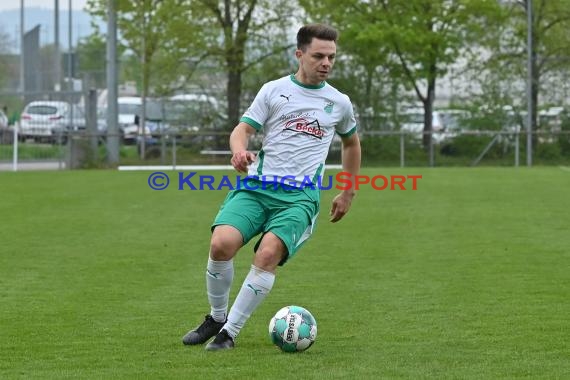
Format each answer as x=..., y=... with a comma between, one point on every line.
x=307, y=32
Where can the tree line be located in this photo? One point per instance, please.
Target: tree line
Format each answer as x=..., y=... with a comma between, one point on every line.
x=391, y=52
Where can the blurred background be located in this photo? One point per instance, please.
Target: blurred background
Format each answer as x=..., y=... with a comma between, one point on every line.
x=104, y=83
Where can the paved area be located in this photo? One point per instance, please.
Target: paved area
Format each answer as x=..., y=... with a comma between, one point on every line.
x=27, y=166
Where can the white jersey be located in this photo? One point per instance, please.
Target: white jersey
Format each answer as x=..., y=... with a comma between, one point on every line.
x=299, y=122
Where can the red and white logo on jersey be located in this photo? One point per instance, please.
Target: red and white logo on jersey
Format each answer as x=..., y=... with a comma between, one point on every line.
x=302, y=125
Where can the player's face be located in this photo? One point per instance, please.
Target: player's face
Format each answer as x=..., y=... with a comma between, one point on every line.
x=316, y=62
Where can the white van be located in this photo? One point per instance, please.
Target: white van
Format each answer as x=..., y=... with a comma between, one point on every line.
x=129, y=109
x=193, y=112
x=412, y=121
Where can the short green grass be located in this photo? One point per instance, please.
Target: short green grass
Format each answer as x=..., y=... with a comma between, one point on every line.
x=467, y=277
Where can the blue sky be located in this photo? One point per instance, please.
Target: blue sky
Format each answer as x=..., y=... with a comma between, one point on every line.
x=41, y=12
x=50, y=4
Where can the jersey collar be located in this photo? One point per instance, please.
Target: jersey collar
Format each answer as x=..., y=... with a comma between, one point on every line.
x=309, y=86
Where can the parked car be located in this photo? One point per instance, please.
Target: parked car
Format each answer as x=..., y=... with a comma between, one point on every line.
x=129, y=112
x=188, y=113
x=74, y=120
x=455, y=122
x=102, y=126
x=192, y=119
x=413, y=123
x=40, y=118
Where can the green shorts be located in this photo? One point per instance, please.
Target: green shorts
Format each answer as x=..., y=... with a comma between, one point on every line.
x=290, y=214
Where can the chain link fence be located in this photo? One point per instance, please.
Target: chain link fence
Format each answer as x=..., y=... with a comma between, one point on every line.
x=67, y=131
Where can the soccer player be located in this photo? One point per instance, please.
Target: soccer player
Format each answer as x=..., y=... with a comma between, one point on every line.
x=299, y=114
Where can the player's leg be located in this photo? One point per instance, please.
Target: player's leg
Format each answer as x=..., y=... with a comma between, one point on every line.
x=239, y=219
x=224, y=245
x=286, y=230
x=255, y=288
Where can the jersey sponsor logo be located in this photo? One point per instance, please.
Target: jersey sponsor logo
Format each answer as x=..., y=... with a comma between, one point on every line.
x=302, y=125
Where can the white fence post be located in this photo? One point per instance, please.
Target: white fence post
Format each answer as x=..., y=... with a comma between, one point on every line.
x=15, y=148
x=174, y=152
x=517, y=133
x=402, y=149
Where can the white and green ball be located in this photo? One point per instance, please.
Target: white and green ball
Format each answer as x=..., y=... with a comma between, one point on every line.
x=293, y=329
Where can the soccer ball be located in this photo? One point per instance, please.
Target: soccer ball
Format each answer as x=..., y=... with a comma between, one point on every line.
x=293, y=329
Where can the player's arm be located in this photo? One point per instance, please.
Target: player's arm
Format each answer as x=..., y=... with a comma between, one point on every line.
x=238, y=144
x=350, y=164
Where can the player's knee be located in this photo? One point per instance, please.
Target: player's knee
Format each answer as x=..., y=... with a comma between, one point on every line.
x=221, y=249
x=267, y=258
x=225, y=243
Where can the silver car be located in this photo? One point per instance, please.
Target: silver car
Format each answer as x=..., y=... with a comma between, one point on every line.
x=40, y=118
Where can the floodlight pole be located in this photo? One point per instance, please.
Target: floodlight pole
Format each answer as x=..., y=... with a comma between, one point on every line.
x=22, y=34
x=529, y=83
x=56, y=60
x=142, y=117
x=112, y=87
x=70, y=43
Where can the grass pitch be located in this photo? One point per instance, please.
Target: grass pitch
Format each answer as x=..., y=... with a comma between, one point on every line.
x=466, y=278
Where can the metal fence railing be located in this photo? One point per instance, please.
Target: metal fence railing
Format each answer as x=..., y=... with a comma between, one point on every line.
x=78, y=149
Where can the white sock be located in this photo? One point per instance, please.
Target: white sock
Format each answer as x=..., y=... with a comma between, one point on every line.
x=219, y=277
x=255, y=288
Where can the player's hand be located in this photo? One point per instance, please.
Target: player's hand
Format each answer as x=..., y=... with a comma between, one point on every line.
x=340, y=205
x=240, y=160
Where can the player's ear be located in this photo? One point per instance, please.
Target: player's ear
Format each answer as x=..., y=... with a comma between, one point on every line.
x=298, y=53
